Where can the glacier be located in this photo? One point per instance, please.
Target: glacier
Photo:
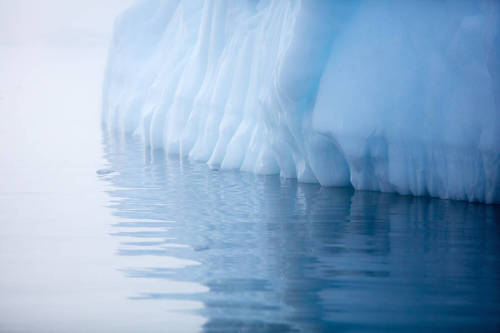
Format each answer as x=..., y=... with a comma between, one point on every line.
x=392, y=96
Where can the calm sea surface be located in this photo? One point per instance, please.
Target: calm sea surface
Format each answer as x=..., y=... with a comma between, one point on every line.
x=272, y=255
x=105, y=236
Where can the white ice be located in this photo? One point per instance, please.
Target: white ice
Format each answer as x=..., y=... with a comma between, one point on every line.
x=381, y=95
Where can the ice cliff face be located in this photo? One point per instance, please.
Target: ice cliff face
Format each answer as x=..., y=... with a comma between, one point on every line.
x=397, y=96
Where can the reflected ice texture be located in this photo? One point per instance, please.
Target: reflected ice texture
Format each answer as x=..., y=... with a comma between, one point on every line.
x=279, y=256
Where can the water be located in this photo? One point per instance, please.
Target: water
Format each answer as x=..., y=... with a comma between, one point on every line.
x=271, y=255
x=58, y=267
x=134, y=241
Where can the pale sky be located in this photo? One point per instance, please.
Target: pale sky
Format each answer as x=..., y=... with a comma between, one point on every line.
x=52, y=60
x=58, y=20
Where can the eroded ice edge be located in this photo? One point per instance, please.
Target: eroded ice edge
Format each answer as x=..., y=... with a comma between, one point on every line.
x=395, y=96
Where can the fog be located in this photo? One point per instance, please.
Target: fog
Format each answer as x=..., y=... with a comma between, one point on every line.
x=98, y=233
x=52, y=57
x=23, y=21
x=58, y=263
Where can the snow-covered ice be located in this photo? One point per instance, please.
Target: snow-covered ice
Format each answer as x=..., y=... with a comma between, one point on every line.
x=384, y=95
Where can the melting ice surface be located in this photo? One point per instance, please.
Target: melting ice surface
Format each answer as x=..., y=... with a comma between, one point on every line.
x=274, y=255
x=396, y=96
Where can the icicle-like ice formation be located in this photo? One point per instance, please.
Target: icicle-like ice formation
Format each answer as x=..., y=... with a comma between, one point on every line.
x=384, y=95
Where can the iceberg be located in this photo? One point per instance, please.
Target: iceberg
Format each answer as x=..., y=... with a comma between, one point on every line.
x=380, y=95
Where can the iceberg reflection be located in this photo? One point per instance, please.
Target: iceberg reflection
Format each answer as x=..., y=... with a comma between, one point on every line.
x=276, y=255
